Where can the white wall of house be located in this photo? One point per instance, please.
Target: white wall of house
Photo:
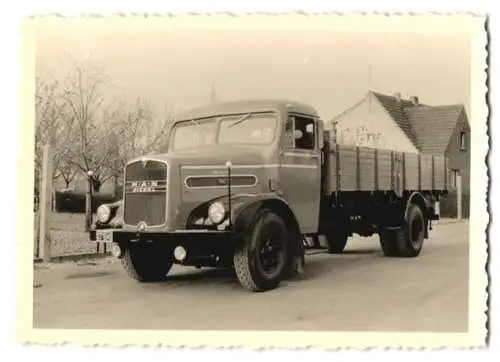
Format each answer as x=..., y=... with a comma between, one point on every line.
x=368, y=124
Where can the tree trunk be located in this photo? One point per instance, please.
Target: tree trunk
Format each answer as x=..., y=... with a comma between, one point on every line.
x=96, y=184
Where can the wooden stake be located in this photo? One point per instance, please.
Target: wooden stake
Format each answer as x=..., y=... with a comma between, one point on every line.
x=45, y=206
x=88, y=202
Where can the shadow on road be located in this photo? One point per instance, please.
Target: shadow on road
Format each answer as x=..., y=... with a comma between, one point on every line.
x=370, y=251
x=318, y=264
x=92, y=274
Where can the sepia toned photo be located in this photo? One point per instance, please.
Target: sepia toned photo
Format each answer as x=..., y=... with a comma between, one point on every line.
x=257, y=181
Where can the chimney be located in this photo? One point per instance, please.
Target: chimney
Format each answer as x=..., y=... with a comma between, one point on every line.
x=397, y=95
x=414, y=100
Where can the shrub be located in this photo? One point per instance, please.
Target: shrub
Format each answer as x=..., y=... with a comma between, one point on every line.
x=74, y=201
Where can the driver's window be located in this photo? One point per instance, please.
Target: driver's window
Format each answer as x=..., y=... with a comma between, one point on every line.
x=304, y=133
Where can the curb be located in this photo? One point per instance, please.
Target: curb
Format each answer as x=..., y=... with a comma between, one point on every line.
x=450, y=221
x=73, y=257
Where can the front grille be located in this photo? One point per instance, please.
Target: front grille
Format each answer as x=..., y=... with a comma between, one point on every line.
x=145, y=196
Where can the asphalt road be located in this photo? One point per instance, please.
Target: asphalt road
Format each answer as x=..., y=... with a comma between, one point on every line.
x=358, y=291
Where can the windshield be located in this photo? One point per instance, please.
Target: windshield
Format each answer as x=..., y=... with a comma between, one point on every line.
x=249, y=129
x=193, y=134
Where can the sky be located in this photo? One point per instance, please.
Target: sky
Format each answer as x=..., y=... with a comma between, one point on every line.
x=329, y=64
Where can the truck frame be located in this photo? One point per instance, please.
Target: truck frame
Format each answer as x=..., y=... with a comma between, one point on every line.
x=252, y=184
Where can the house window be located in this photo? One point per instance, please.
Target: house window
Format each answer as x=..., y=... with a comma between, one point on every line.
x=462, y=141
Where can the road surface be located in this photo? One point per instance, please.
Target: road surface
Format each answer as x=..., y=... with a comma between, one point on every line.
x=358, y=291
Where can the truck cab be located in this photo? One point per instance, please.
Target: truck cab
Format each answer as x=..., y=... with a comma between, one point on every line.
x=242, y=184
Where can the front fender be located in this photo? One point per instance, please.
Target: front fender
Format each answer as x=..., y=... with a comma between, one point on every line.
x=245, y=206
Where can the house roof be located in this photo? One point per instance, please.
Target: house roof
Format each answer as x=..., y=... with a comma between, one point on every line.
x=396, y=110
x=433, y=126
x=429, y=128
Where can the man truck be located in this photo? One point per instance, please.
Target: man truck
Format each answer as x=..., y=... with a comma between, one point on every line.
x=250, y=185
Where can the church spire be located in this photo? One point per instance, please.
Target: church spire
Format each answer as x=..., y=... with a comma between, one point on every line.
x=213, y=95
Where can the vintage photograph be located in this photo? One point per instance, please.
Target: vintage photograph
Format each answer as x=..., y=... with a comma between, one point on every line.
x=246, y=174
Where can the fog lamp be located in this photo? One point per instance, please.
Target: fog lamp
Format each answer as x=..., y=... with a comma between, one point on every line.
x=180, y=253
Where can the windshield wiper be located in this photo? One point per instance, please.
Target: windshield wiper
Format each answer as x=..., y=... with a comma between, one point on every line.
x=242, y=119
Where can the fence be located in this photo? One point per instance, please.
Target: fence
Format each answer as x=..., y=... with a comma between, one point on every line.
x=60, y=221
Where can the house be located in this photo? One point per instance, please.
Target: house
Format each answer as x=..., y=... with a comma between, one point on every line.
x=407, y=125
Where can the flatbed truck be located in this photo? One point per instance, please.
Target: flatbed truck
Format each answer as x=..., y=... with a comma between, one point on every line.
x=252, y=184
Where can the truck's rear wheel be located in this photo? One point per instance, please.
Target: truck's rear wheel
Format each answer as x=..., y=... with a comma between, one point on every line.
x=262, y=259
x=145, y=265
x=408, y=240
x=336, y=241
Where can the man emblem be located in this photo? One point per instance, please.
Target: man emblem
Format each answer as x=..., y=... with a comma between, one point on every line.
x=141, y=226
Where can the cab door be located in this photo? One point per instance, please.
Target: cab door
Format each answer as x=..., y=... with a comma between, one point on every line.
x=300, y=169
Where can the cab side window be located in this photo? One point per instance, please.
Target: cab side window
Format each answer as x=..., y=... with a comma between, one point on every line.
x=305, y=134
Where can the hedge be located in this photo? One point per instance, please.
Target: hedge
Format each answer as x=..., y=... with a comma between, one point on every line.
x=74, y=202
x=449, y=205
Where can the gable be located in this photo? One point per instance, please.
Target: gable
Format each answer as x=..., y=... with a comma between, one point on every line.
x=370, y=124
x=396, y=110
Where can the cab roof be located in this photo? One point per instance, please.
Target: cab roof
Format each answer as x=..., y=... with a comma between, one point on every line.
x=247, y=106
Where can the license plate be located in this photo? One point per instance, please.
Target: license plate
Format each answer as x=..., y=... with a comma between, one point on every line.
x=104, y=236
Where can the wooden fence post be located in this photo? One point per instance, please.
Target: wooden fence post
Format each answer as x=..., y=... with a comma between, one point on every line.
x=459, y=197
x=36, y=206
x=45, y=206
x=88, y=202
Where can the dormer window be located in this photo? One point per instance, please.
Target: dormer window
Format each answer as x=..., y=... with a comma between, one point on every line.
x=462, y=141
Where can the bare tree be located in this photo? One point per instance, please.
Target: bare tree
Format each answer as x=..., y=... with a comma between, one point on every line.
x=53, y=126
x=88, y=102
x=137, y=131
x=91, y=129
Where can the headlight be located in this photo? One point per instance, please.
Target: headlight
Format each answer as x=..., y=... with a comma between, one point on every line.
x=216, y=212
x=103, y=214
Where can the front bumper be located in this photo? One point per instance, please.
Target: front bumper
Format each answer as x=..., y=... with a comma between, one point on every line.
x=120, y=235
x=200, y=248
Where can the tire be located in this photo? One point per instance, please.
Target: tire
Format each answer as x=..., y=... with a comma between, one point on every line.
x=408, y=240
x=389, y=240
x=336, y=242
x=267, y=235
x=145, y=265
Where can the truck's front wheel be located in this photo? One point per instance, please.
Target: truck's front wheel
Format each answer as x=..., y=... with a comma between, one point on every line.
x=145, y=265
x=262, y=258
